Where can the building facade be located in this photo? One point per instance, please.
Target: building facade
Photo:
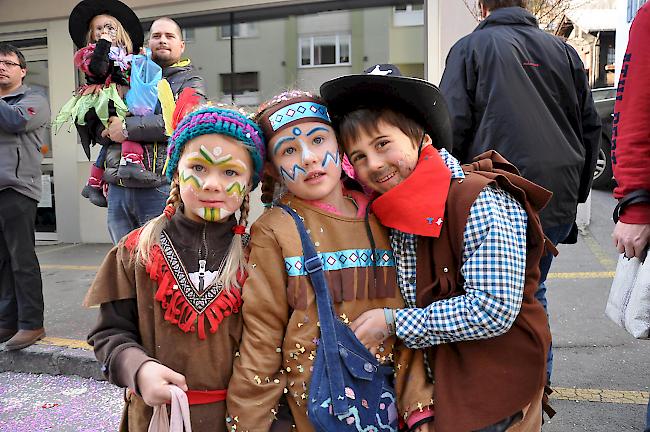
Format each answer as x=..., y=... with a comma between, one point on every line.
x=247, y=51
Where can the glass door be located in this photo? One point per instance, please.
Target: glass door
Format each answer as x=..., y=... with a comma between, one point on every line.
x=38, y=79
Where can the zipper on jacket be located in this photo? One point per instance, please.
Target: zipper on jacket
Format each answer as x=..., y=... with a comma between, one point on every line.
x=17, y=160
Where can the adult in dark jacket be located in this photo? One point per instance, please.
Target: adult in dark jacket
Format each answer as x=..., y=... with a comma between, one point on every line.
x=24, y=120
x=131, y=202
x=513, y=88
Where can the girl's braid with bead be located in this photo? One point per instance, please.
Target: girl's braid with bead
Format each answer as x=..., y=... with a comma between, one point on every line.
x=268, y=189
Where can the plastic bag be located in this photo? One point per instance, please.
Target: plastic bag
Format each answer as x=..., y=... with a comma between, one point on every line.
x=142, y=97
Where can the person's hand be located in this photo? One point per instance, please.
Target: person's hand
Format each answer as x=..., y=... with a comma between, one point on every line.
x=154, y=380
x=371, y=329
x=631, y=239
x=115, y=130
x=92, y=89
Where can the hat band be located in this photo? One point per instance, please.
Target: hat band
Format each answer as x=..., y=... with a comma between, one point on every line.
x=298, y=111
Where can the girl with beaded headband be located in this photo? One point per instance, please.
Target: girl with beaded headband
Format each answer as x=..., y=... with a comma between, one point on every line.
x=281, y=325
x=170, y=292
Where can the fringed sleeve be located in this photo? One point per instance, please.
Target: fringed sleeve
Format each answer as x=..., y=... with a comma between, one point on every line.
x=115, y=279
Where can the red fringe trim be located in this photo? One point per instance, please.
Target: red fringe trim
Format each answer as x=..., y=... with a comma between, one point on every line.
x=177, y=310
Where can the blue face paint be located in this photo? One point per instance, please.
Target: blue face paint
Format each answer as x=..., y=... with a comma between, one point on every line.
x=335, y=159
x=297, y=170
x=280, y=142
x=317, y=129
x=297, y=132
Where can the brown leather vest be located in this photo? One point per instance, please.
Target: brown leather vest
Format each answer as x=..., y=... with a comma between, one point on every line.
x=478, y=383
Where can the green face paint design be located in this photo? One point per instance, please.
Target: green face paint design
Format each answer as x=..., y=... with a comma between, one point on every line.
x=213, y=214
x=236, y=189
x=214, y=164
x=187, y=178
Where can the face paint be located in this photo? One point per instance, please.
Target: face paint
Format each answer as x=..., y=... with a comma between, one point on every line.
x=213, y=175
x=336, y=159
x=212, y=214
x=295, y=172
x=236, y=189
x=186, y=177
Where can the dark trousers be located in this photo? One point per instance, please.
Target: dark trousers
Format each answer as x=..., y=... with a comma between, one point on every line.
x=21, y=287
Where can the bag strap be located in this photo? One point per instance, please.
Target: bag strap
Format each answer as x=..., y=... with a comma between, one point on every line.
x=636, y=197
x=314, y=268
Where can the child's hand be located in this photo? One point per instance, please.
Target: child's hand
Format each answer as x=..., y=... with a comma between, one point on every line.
x=153, y=381
x=371, y=329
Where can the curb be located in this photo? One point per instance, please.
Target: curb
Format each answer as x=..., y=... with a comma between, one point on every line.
x=52, y=360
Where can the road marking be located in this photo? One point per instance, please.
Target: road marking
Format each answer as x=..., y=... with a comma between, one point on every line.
x=582, y=275
x=601, y=395
x=57, y=249
x=599, y=253
x=64, y=342
x=68, y=267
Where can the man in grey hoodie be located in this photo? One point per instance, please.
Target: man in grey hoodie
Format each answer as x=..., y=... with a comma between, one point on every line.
x=24, y=119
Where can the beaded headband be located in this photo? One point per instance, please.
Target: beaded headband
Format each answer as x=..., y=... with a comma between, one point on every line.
x=222, y=121
x=291, y=112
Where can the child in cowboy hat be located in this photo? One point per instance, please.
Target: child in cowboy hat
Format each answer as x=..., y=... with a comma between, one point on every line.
x=107, y=32
x=467, y=243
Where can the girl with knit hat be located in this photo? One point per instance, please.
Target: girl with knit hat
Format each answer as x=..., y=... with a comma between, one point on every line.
x=282, y=331
x=170, y=292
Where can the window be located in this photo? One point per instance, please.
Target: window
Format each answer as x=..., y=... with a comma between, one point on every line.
x=324, y=50
x=241, y=30
x=408, y=15
x=611, y=55
x=244, y=86
x=632, y=7
x=188, y=34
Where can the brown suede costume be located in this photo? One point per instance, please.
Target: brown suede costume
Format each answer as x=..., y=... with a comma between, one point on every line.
x=132, y=328
x=480, y=382
x=281, y=330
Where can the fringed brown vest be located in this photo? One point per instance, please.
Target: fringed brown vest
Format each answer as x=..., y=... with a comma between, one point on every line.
x=478, y=383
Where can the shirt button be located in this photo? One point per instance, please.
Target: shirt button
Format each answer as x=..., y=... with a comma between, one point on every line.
x=446, y=270
x=368, y=367
x=412, y=280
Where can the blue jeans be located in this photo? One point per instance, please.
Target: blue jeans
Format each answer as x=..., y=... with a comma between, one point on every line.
x=130, y=208
x=556, y=234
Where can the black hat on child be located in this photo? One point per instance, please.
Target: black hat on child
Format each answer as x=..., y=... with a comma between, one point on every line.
x=86, y=10
x=383, y=85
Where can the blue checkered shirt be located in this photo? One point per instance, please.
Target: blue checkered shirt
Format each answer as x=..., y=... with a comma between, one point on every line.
x=493, y=266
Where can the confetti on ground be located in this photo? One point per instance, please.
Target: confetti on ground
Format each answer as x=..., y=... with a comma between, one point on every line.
x=30, y=402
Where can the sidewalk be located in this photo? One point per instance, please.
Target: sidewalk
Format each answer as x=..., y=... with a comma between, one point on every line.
x=67, y=270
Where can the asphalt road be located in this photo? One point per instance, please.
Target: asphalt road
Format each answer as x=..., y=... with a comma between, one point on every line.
x=600, y=371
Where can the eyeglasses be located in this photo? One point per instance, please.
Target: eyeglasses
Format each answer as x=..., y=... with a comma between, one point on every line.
x=7, y=63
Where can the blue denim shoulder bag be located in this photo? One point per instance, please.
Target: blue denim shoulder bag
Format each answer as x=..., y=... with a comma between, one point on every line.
x=349, y=389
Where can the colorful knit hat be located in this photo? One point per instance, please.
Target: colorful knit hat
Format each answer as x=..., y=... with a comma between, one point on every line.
x=222, y=121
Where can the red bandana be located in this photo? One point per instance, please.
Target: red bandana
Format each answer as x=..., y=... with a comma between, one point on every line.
x=417, y=204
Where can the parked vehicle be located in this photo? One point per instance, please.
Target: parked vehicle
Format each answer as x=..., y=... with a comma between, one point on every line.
x=604, y=99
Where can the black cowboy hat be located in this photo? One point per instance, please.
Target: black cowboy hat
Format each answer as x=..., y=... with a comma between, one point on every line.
x=86, y=10
x=383, y=85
